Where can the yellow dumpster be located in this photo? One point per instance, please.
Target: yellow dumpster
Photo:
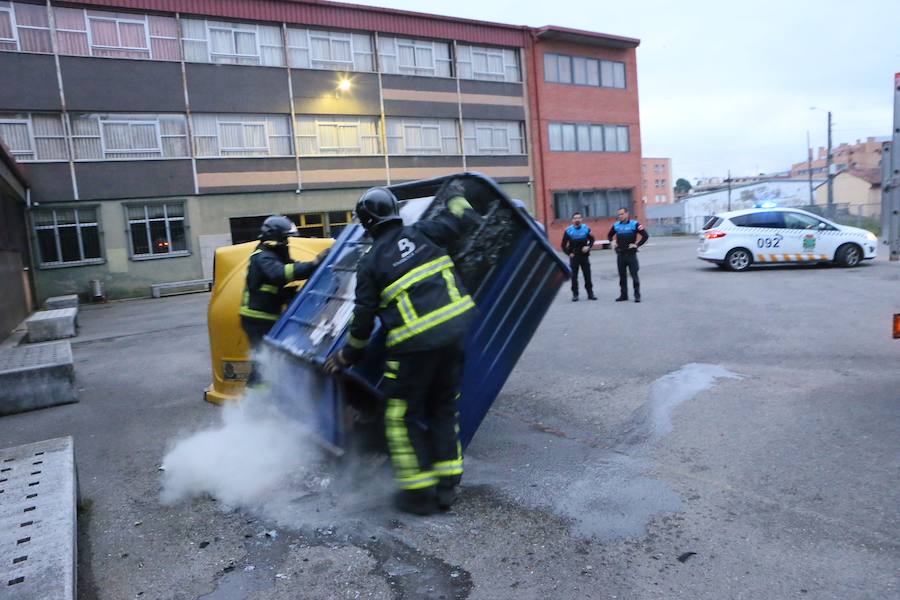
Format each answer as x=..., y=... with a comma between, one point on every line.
x=228, y=346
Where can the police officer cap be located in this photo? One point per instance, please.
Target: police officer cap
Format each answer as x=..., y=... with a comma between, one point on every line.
x=377, y=207
x=277, y=228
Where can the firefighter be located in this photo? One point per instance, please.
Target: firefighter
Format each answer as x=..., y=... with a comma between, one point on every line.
x=270, y=270
x=410, y=283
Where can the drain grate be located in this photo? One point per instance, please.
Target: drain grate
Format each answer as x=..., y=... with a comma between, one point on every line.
x=37, y=521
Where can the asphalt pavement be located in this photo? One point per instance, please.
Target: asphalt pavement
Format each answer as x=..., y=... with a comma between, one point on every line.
x=735, y=435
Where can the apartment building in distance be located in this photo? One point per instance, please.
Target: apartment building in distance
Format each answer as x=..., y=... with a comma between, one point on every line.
x=863, y=155
x=151, y=132
x=657, y=184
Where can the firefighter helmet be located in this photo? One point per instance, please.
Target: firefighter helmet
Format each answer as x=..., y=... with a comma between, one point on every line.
x=377, y=207
x=277, y=228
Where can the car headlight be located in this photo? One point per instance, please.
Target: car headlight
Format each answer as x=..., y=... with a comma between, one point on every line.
x=871, y=236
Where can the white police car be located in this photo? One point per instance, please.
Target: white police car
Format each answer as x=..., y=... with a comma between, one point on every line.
x=736, y=240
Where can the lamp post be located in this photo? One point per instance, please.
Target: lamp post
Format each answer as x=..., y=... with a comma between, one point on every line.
x=828, y=160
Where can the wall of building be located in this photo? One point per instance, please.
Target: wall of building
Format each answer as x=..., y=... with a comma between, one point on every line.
x=657, y=181
x=15, y=292
x=853, y=194
x=208, y=227
x=557, y=102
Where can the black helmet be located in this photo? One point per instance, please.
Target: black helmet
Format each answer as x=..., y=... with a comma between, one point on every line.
x=277, y=228
x=377, y=207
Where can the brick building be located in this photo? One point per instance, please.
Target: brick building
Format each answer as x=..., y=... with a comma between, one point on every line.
x=153, y=131
x=657, y=184
x=861, y=155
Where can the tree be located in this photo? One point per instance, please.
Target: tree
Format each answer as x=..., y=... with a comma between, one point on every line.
x=682, y=186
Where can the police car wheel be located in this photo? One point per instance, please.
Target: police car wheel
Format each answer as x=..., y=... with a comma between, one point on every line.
x=848, y=255
x=738, y=259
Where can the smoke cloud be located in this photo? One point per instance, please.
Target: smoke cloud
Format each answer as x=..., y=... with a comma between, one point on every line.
x=253, y=452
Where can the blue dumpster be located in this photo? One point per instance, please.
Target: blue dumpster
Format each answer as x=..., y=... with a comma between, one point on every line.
x=506, y=264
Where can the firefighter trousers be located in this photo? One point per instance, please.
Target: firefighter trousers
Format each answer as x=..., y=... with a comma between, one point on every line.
x=256, y=330
x=422, y=419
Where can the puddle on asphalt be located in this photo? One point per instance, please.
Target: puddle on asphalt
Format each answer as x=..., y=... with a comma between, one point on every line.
x=604, y=492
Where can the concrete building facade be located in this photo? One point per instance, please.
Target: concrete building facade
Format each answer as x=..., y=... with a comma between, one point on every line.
x=153, y=131
x=657, y=184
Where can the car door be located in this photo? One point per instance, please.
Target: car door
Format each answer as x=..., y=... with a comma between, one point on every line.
x=807, y=238
x=763, y=234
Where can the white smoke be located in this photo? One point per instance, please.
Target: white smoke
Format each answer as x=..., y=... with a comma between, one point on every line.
x=253, y=452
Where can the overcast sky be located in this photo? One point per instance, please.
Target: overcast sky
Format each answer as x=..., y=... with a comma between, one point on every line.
x=726, y=85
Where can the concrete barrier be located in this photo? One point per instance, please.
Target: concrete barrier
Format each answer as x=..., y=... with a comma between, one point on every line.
x=36, y=377
x=47, y=325
x=38, y=494
x=55, y=302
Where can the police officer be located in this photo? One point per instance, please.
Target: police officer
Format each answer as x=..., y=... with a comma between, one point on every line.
x=408, y=280
x=627, y=231
x=270, y=270
x=577, y=243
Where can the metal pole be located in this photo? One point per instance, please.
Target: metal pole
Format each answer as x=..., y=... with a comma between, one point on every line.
x=829, y=158
x=812, y=200
x=890, y=185
x=729, y=189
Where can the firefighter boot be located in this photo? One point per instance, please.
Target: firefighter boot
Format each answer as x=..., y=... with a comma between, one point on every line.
x=416, y=502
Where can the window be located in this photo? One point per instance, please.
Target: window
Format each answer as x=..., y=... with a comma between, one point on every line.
x=581, y=137
x=493, y=64
x=157, y=229
x=67, y=236
x=232, y=43
x=794, y=220
x=338, y=221
x=591, y=203
x=241, y=135
x=24, y=28
x=493, y=137
x=34, y=137
x=116, y=35
x=338, y=51
x=317, y=135
x=131, y=137
x=581, y=70
x=767, y=219
x=422, y=136
x=712, y=222
x=414, y=57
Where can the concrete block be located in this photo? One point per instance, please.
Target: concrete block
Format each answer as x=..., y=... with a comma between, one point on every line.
x=70, y=301
x=36, y=377
x=47, y=325
x=38, y=495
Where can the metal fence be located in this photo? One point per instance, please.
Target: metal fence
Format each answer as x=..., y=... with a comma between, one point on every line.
x=864, y=216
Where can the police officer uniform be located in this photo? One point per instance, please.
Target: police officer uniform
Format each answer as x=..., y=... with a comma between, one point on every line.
x=575, y=238
x=626, y=234
x=408, y=280
x=269, y=271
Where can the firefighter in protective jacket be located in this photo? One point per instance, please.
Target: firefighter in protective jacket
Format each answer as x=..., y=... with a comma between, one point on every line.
x=408, y=280
x=270, y=270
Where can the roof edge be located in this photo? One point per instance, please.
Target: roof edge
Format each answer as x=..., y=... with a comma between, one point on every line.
x=593, y=38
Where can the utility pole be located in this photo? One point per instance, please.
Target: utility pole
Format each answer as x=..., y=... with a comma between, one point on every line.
x=828, y=160
x=809, y=169
x=890, y=183
x=729, y=189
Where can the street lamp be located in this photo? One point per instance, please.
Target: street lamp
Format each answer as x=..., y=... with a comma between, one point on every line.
x=828, y=159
